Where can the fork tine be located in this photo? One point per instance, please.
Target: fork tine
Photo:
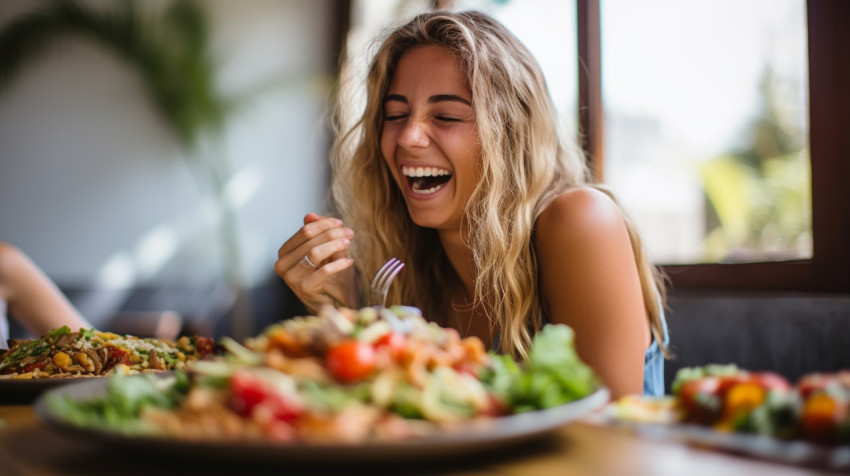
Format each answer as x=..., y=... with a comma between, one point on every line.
x=388, y=279
x=391, y=274
x=385, y=274
x=383, y=279
x=381, y=272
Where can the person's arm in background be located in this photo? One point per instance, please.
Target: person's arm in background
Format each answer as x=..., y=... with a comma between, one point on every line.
x=32, y=297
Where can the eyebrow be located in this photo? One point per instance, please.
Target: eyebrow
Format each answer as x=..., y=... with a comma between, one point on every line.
x=433, y=99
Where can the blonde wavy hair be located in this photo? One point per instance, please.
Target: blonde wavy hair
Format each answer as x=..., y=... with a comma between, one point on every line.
x=525, y=164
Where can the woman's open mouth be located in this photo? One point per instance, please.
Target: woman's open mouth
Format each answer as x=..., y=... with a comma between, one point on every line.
x=426, y=180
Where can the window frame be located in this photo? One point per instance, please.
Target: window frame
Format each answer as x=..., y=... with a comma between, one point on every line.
x=829, y=102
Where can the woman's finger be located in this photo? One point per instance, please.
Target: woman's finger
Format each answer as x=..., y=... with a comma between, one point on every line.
x=311, y=217
x=314, y=262
x=307, y=232
x=331, y=243
x=319, y=249
x=313, y=287
x=314, y=283
x=314, y=257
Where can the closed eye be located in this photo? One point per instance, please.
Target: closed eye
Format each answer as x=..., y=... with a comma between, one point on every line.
x=394, y=117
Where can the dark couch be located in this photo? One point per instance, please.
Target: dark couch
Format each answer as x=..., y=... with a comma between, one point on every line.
x=788, y=333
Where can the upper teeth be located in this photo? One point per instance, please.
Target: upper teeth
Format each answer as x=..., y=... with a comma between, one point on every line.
x=424, y=171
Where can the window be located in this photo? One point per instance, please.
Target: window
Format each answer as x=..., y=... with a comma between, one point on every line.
x=706, y=136
x=826, y=267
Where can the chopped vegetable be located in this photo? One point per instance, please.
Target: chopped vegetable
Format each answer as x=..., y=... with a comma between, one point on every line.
x=123, y=403
x=554, y=374
x=350, y=360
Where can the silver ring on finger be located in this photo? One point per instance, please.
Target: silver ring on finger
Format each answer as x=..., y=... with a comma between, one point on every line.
x=305, y=261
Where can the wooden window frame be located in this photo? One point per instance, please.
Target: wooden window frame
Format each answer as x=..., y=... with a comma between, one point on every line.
x=829, y=119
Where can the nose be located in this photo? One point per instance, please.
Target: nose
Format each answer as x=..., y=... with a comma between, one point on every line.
x=414, y=134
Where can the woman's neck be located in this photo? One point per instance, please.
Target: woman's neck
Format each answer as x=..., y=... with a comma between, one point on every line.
x=467, y=318
x=460, y=257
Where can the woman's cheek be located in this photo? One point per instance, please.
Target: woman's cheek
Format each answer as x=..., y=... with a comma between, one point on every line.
x=387, y=147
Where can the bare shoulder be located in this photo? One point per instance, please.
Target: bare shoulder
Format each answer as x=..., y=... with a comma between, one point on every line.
x=582, y=213
x=589, y=281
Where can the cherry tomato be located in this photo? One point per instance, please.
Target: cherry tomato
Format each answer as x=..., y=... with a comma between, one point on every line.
x=245, y=392
x=350, y=360
x=33, y=366
x=813, y=383
x=393, y=341
x=700, y=399
x=726, y=382
x=495, y=407
x=204, y=346
x=468, y=368
x=251, y=395
x=115, y=356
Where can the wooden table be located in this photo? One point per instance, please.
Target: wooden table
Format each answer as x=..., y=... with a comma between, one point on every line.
x=28, y=447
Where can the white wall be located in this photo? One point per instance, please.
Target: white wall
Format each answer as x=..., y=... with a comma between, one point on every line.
x=93, y=185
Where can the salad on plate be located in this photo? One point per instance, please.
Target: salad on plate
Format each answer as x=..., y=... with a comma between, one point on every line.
x=755, y=413
x=342, y=376
x=63, y=354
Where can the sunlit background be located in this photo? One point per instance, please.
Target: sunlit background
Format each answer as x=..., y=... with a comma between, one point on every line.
x=707, y=126
x=705, y=137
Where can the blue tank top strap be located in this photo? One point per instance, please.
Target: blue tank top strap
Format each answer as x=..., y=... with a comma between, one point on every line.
x=653, y=364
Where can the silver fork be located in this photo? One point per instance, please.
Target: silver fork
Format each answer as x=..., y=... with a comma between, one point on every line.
x=383, y=279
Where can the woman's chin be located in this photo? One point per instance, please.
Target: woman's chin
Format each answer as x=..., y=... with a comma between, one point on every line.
x=435, y=221
x=431, y=213
x=425, y=219
x=424, y=222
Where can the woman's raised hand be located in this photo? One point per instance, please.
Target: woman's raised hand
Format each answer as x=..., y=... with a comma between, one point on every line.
x=314, y=263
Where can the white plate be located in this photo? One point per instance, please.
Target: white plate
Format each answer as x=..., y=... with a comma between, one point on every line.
x=485, y=434
x=763, y=447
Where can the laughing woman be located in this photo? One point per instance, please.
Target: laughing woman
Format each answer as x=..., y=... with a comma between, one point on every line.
x=457, y=168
